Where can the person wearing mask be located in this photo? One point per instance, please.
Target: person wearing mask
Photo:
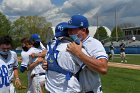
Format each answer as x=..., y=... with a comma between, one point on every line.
x=37, y=73
x=10, y=58
x=5, y=45
x=96, y=63
x=61, y=66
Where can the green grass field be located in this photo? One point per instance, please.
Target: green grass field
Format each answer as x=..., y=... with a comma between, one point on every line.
x=121, y=81
x=118, y=80
x=132, y=59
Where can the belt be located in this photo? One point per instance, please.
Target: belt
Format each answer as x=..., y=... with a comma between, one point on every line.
x=90, y=92
x=39, y=74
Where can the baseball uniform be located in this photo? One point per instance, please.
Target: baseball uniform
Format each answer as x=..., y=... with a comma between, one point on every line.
x=12, y=63
x=57, y=82
x=4, y=79
x=38, y=72
x=90, y=80
x=25, y=62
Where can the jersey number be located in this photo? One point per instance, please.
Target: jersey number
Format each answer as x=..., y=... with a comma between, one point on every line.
x=4, y=80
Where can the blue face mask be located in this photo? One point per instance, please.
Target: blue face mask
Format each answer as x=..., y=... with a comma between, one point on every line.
x=75, y=38
x=4, y=52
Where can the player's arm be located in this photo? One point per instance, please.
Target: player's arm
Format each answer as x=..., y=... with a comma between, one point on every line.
x=99, y=65
x=34, y=64
x=17, y=79
x=41, y=54
x=24, y=63
x=45, y=65
x=16, y=74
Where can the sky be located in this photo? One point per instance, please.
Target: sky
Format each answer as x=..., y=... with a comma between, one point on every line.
x=56, y=11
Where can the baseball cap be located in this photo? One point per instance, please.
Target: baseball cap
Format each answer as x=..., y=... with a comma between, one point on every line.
x=35, y=37
x=61, y=30
x=77, y=21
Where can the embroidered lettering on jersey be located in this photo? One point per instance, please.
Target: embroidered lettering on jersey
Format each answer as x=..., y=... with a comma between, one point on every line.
x=50, y=60
x=4, y=79
x=10, y=66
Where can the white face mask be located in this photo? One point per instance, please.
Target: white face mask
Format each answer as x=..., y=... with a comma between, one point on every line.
x=4, y=52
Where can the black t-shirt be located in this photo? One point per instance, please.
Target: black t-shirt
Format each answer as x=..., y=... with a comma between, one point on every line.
x=122, y=47
x=111, y=47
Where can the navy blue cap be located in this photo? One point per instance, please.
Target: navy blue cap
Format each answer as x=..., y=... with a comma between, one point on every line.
x=61, y=30
x=77, y=21
x=35, y=37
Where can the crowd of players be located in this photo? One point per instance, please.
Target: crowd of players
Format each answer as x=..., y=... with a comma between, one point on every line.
x=71, y=63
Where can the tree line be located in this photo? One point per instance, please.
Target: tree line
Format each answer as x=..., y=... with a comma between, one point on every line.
x=24, y=26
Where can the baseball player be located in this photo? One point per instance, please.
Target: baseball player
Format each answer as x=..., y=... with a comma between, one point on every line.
x=111, y=47
x=26, y=45
x=25, y=54
x=95, y=63
x=4, y=79
x=10, y=58
x=61, y=66
x=35, y=67
x=122, y=52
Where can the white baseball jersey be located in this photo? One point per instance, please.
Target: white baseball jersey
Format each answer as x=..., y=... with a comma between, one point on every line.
x=36, y=81
x=38, y=69
x=90, y=80
x=25, y=56
x=56, y=82
x=4, y=78
x=26, y=61
x=12, y=62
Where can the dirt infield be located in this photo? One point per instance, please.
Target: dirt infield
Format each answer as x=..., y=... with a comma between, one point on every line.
x=122, y=65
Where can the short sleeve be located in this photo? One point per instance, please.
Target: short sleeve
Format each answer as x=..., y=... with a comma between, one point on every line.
x=16, y=60
x=25, y=59
x=66, y=61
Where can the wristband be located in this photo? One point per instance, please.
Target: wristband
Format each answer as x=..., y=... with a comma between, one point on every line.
x=17, y=78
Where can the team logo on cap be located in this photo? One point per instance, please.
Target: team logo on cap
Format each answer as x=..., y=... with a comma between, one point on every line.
x=70, y=21
x=82, y=24
x=60, y=28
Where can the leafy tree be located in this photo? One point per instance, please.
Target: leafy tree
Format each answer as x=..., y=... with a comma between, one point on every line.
x=4, y=25
x=101, y=34
x=25, y=26
x=120, y=33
